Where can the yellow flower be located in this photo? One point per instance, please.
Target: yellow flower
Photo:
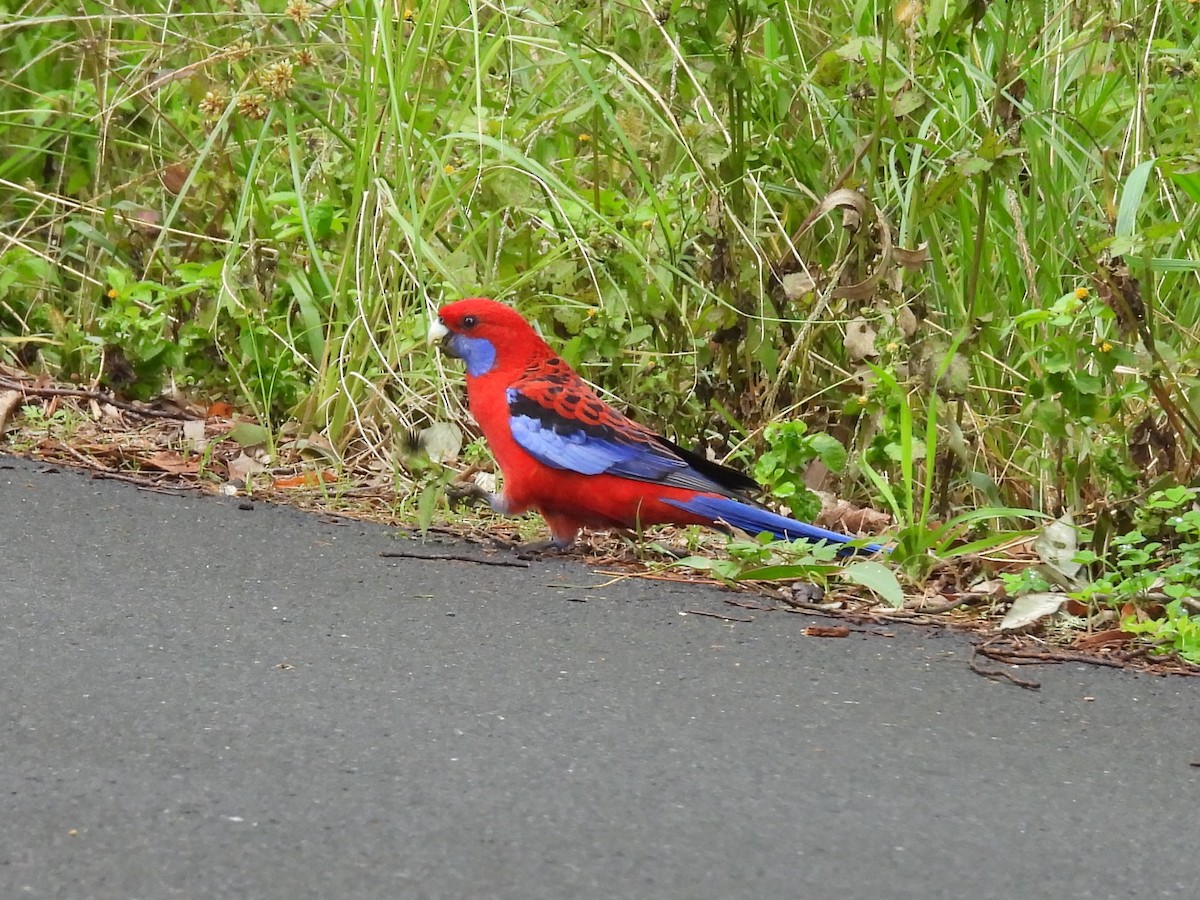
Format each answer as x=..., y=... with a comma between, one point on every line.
x=112, y=294
x=892, y=347
x=1081, y=293
x=584, y=138
x=449, y=170
x=409, y=14
x=862, y=400
x=1105, y=347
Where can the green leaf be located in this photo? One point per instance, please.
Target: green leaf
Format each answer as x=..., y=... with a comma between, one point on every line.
x=1131, y=198
x=878, y=578
x=249, y=434
x=788, y=572
x=829, y=450
x=907, y=102
x=1189, y=183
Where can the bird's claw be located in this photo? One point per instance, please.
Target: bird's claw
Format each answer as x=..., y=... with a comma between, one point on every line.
x=467, y=492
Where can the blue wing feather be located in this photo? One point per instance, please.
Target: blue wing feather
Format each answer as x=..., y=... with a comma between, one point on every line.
x=597, y=448
x=578, y=451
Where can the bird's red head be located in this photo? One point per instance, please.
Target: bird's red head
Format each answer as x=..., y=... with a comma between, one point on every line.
x=485, y=334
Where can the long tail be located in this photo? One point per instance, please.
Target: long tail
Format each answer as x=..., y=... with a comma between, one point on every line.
x=755, y=520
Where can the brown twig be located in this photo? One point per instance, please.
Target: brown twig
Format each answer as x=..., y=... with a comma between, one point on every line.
x=98, y=396
x=713, y=615
x=998, y=674
x=946, y=607
x=456, y=557
x=741, y=604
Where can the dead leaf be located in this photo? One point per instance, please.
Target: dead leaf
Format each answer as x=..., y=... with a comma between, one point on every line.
x=1075, y=608
x=1113, y=637
x=219, y=410
x=797, y=284
x=174, y=176
x=306, y=479
x=441, y=441
x=317, y=444
x=1029, y=609
x=243, y=466
x=913, y=259
x=841, y=515
x=860, y=339
x=193, y=433
x=1057, y=545
x=9, y=400
x=169, y=461
x=826, y=631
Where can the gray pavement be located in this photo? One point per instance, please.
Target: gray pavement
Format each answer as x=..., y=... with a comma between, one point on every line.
x=204, y=701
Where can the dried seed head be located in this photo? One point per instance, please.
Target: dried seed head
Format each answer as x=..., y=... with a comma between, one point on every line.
x=277, y=79
x=252, y=106
x=299, y=11
x=213, y=104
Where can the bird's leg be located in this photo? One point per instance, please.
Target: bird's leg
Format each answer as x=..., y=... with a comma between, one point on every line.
x=563, y=531
x=470, y=493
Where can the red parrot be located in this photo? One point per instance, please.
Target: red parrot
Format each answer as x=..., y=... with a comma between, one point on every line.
x=569, y=455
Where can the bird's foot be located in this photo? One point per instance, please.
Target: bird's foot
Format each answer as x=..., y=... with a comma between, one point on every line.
x=467, y=492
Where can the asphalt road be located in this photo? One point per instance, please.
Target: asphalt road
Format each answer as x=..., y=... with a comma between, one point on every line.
x=204, y=701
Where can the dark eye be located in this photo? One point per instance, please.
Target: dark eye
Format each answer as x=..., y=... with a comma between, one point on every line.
x=469, y=321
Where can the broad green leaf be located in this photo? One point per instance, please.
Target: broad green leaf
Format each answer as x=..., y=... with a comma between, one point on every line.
x=1131, y=198
x=878, y=578
x=249, y=434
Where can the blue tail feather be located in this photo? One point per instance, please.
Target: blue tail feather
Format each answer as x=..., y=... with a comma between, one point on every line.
x=754, y=520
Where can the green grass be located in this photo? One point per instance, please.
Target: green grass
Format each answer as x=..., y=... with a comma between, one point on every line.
x=266, y=204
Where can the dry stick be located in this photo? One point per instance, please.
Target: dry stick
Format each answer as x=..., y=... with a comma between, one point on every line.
x=98, y=396
x=741, y=605
x=457, y=557
x=964, y=597
x=713, y=615
x=997, y=674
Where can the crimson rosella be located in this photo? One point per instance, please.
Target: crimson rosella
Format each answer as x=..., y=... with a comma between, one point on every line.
x=569, y=455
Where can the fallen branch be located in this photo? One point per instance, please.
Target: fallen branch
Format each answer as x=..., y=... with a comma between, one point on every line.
x=98, y=396
x=454, y=557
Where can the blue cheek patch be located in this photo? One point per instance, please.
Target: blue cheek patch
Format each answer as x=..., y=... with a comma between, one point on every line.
x=478, y=353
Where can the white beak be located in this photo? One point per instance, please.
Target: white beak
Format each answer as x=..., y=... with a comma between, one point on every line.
x=437, y=331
